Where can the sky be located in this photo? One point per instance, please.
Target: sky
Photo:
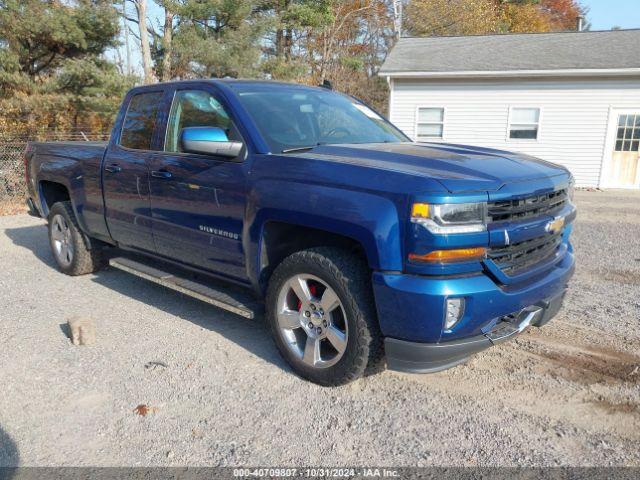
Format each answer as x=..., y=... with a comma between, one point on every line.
x=603, y=15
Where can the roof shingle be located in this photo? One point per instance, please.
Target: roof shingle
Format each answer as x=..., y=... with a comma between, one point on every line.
x=615, y=49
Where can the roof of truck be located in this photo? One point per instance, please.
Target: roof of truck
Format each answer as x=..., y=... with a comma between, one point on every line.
x=231, y=82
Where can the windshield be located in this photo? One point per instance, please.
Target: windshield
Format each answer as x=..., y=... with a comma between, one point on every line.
x=296, y=118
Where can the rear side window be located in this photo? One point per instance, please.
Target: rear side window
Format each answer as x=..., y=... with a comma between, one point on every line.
x=140, y=121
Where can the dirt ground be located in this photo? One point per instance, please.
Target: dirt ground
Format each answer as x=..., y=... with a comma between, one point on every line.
x=215, y=391
x=12, y=208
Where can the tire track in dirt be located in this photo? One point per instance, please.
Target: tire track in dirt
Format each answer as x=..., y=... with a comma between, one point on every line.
x=558, y=375
x=583, y=363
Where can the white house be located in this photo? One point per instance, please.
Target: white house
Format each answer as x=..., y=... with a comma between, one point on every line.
x=570, y=98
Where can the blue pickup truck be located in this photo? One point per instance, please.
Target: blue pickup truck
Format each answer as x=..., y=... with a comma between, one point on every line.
x=364, y=248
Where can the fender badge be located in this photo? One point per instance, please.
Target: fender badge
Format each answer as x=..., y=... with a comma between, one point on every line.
x=218, y=232
x=555, y=225
x=507, y=240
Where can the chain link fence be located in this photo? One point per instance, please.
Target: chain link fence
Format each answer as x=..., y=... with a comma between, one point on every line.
x=13, y=190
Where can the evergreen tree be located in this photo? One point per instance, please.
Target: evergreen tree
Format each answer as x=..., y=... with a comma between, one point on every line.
x=293, y=22
x=218, y=38
x=51, y=62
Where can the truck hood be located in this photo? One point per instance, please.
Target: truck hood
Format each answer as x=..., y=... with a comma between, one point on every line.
x=458, y=168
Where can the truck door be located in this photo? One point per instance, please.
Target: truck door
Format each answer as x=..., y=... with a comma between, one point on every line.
x=126, y=174
x=198, y=201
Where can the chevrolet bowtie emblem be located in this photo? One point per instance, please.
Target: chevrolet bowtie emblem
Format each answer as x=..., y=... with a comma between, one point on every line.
x=555, y=225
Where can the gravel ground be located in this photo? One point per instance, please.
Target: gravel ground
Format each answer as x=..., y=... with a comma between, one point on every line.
x=568, y=394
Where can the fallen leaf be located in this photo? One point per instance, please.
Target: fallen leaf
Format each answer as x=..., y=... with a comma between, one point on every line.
x=144, y=410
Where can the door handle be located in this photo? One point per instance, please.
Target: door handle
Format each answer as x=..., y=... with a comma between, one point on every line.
x=113, y=168
x=161, y=174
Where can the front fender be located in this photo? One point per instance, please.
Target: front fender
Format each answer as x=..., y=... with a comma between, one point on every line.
x=370, y=219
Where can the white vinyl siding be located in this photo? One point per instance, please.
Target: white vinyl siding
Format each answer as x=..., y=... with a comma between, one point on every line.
x=574, y=115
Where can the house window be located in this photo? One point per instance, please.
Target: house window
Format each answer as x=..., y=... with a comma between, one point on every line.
x=524, y=123
x=430, y=123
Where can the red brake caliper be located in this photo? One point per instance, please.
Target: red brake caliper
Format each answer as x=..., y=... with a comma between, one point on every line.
x=313, y=290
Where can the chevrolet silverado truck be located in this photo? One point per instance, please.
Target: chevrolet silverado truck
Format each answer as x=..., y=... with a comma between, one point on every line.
x=362, y=247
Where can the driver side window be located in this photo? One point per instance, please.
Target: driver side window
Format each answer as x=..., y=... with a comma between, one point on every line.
x=194, y=108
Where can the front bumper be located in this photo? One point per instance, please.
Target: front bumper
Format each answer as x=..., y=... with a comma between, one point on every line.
x=411, y=312
x=415, y=357
x=412, y=307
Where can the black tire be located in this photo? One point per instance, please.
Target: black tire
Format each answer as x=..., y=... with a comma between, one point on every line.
x=350, y=278
x=83, y=259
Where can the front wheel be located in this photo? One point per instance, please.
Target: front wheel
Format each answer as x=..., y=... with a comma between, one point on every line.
x=320, y=309
x=70, y=250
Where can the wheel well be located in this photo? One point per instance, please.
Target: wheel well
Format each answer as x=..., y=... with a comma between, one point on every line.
x=279, y=240
x=53, y=192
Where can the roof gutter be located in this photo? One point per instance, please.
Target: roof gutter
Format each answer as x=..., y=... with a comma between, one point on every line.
x=600, y=72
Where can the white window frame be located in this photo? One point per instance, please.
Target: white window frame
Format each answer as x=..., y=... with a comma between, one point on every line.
x=605, y=180
x=417, y=122
x=510, y=117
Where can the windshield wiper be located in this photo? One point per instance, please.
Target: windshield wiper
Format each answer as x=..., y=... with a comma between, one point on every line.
x=301, y=149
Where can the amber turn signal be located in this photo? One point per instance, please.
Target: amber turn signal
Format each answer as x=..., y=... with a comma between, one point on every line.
x=420, y=210
x=450, y=256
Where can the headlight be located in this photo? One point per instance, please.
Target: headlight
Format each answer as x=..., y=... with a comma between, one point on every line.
x=571, y=190
x=447, y=218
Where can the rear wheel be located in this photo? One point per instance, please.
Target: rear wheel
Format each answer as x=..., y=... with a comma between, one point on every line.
x=320, y=308
x=69, y=247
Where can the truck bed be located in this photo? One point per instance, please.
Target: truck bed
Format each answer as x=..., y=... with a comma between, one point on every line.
x=78, y=166
x=68, y=147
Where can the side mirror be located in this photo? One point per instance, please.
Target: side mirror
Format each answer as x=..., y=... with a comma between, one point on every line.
x=209, y=141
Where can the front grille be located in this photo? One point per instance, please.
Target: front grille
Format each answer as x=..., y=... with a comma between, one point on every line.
x=523, y=208
x=518, y=257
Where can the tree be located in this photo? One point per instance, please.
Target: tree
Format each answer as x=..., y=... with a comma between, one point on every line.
x=145, y=46
x=162, y=51
x=452, y=17
x=38, y=35
x=51, y=65
x=291, y=22
x=216, y=38
x=475, y=17
x=524, y=16
x=563, y=14
x=350, y=47
x=167, y=38
x=91, y=85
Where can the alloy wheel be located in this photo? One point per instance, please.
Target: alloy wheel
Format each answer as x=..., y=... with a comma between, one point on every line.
x=62, y=241
x=312, y=321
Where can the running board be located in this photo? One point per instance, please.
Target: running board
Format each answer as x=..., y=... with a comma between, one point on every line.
x=226, y=298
